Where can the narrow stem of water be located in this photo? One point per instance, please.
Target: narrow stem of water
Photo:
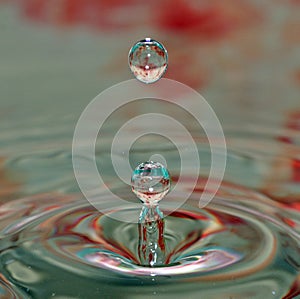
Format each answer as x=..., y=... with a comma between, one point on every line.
x=151, y=236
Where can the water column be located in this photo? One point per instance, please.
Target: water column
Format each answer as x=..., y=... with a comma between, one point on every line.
x=151, y=182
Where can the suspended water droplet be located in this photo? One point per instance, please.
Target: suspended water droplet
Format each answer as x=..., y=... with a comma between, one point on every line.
x=150, y=182
x=148, y=60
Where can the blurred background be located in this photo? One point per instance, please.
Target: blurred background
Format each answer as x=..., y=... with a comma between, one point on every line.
x=243, y=56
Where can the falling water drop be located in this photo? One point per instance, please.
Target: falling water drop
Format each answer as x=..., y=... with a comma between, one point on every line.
x=148, y=60
x=151, y=182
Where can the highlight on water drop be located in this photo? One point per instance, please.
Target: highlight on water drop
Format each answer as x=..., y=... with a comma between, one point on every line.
x=148, y=60
x=150, y=182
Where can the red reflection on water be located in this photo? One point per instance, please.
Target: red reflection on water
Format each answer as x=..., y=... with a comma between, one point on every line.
x=209, y=22
x=297, y=76
x=296, y=205
x=94, y=13
x=285, y=139
x=206, y=19
x=296, y=170
x=295, y=290
x=293, y=120
x=294, y=1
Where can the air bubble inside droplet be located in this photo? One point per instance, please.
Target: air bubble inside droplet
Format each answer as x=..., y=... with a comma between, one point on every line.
x=148, y=60
x=150, y=182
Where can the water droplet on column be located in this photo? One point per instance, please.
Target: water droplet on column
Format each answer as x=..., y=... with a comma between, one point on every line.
x=150, y=182
x=148, y=60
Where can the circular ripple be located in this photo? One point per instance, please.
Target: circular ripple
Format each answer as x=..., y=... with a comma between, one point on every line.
x=7, y=292
x=197, y=241
x=229, y=241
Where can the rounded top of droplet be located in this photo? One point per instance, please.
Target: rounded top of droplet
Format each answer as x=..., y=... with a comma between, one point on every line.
x=148, y=60
x=150, y=182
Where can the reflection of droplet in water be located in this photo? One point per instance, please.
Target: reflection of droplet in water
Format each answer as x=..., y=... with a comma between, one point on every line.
x=150, y=182
x=148, y=60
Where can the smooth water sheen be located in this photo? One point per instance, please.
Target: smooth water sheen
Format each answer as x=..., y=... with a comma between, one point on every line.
x=243, y=243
